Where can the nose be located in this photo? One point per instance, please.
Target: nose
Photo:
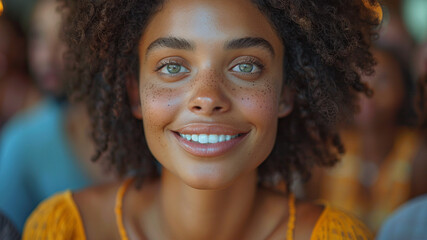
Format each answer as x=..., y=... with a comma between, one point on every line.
x=208, y=97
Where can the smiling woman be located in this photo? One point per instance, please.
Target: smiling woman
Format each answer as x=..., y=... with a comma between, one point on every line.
x=226, y=95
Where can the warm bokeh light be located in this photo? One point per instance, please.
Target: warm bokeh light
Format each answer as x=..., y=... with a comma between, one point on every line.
x=377, y=8
x=1, y=7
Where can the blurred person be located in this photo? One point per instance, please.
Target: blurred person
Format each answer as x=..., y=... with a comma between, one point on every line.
x=409, y=222
x=47, y=148
x=376, y=172
x=16, y=89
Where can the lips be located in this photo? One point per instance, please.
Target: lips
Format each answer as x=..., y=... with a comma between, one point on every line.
x=209, y=140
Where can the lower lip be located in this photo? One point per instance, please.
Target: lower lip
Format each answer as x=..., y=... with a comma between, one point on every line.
x=208, y=150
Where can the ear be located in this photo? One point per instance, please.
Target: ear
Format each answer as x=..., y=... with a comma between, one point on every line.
x=132, y=87
x=286, y=103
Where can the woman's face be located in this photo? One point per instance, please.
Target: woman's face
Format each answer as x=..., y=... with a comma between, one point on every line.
x=210, y=89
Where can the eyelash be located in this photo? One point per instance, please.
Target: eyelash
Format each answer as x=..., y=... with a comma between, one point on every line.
x=164, y=63
x=249, y=60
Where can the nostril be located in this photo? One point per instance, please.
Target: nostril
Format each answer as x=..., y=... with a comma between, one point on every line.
x=197, y=108
x=217, y=108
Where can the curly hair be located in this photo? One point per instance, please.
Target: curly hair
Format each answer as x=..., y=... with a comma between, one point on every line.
x=327, y=48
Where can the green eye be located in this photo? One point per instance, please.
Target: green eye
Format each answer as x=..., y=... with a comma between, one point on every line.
x=246, y=68
x=173, y=68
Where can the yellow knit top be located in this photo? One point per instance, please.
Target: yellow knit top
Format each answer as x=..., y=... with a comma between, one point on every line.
x=58, y=218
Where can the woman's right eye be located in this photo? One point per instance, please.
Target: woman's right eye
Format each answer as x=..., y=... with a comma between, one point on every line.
x=173, y=68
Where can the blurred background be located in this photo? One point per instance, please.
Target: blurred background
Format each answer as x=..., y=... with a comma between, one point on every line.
x=385, y=161
x=45, y=142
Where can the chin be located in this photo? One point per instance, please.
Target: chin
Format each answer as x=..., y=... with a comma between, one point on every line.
x=208, y=179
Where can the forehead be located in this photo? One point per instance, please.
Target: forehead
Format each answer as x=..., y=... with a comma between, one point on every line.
x=209, y=21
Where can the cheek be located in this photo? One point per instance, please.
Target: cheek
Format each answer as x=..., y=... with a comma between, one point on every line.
x=259, y=104
x=159, y=106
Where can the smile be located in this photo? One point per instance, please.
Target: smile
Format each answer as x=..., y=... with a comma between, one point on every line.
x=208, y=138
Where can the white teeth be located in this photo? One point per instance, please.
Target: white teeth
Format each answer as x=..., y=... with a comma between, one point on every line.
x=203, y=138
x=206, y=139
x=195, y=137
x=213, y=138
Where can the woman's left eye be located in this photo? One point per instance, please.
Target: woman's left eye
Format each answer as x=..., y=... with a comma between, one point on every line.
x=246, y=68
x=173, y=68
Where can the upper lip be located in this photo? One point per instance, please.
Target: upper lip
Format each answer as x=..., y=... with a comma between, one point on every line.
x=203, y=128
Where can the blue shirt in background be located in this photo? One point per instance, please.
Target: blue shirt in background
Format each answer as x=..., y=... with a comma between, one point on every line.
x=36, y=161
x=408, y=223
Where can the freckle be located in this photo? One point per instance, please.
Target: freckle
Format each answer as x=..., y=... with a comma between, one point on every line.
x=233, y=89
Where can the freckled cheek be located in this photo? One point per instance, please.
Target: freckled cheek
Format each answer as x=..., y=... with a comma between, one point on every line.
x=261, y=108
x=159, y=106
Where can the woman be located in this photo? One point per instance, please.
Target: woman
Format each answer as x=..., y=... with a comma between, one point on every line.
x=204, y=87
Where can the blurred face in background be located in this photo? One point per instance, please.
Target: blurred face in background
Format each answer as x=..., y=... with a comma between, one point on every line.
x=388, y=85
x=46, y=49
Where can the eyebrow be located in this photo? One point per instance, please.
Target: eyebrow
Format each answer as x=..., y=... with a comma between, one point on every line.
x=183, y=44
x=171, y=42
x=248, y=42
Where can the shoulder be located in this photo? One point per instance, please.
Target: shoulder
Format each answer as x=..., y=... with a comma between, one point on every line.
x=55, y=218
x=74, y=215
x=96, y=206
x=408, y=222
x=337, y=224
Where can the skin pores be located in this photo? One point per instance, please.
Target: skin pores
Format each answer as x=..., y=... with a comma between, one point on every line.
x=210, y=68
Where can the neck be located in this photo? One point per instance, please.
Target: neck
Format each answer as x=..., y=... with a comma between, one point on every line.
x=190, y=213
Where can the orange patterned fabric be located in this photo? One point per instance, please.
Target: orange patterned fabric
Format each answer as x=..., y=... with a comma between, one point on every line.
x=55, y=219
x=334, y=224
x=58, y=219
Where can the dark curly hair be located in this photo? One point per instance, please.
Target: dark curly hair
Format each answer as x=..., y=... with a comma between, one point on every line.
x=327, y=48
